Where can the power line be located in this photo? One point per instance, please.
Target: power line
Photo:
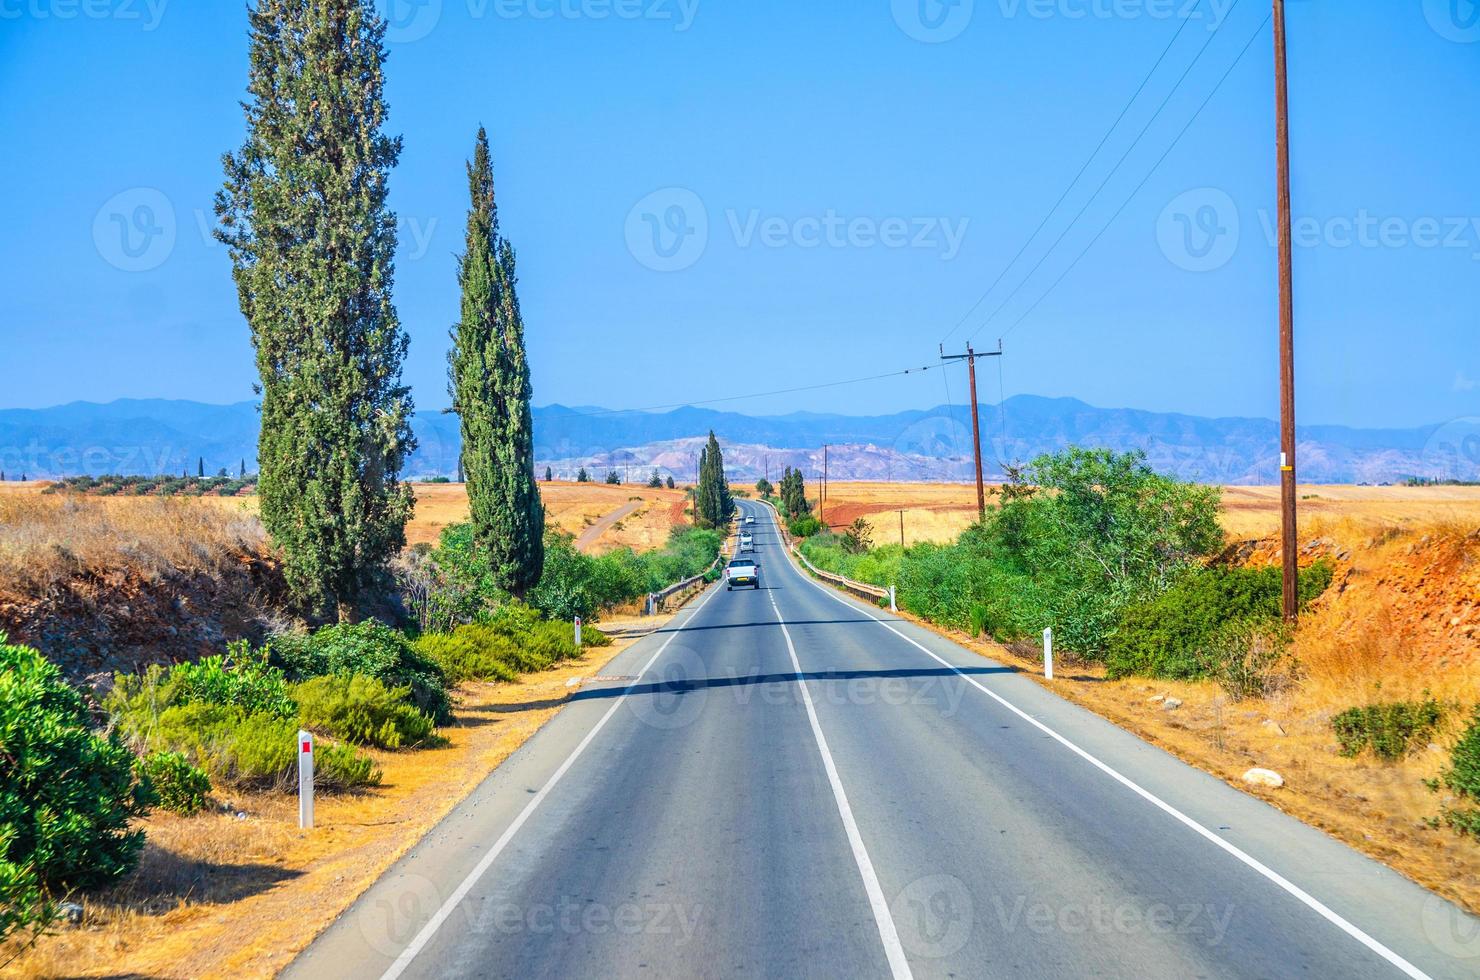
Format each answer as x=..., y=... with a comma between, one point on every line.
x=1088, y=160
x=759, y=394
x=1144, y=180
x=1113, y=171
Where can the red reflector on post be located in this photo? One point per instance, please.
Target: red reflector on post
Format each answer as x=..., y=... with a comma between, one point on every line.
x=307, y=747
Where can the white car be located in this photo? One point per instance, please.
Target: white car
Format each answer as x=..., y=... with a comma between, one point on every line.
x=747, y=543
x=749, y=519
x=741, y=572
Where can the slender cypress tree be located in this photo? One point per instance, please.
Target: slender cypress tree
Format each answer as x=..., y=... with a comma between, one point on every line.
x=312, y=245
x=489, y=383
x=712, y=500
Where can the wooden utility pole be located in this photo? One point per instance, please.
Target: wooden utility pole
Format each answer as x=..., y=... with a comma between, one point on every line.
x=1288, y=530
x=822, y=490
x=901, y=529
x=976, y=429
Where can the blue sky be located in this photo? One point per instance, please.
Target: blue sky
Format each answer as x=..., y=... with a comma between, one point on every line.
x=831, y=186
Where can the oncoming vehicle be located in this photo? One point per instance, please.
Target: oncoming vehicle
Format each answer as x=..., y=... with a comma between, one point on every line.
x=747, y=543
x=749, y=518
x=742, y=571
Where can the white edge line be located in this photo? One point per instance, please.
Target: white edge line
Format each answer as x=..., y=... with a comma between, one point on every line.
x=442, y=914
x=899, y=967
x=1274, y=876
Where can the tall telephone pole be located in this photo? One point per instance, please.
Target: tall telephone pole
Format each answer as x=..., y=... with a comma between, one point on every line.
x=1288, y=531
x=822, y=491
x=976, y=429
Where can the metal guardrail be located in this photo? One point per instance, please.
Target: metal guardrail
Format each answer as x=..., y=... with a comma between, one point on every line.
x=863, y=590
x=655, y=600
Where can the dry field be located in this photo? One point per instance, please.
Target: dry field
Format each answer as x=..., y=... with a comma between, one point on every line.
x=940, y=511
x=574, y=507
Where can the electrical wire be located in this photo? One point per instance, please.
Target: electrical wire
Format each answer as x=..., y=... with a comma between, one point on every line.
x=1212, y=35
x=1072, y=183
x=1144, y=180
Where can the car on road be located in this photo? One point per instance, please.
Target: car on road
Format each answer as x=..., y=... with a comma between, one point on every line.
x=747, y=543
x=749, y=518
x=742, y=572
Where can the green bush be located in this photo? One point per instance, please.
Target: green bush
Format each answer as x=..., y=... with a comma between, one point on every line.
x=804, y=526
x=463, y=659
x=1246, y=657
x=1463, y=776
x=240, y=678
x=1175, y=634
x=512, y=642
x=1390, y=730
x=181, y=787
x=369, y=648
x=66, y=794
x=360, y=710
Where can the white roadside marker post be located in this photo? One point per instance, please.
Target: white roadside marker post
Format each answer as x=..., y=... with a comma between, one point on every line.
x=1048, y=652
x=578, y=632
x=305, y=780
x=893, y=606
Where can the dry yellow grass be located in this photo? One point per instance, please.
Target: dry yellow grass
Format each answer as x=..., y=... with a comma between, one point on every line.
x=216, y=896
x=47, y=538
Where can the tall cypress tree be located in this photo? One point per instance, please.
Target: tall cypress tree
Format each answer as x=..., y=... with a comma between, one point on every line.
x=488, y=379
x=713, y=503
x=312, y=245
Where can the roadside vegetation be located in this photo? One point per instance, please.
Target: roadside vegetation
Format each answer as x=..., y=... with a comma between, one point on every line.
x=113, y=485
x=1134, y=574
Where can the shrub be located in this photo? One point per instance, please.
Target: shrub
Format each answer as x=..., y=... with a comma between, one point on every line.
x=510, y=643
x=369, y=648
x=1176, y=634
x=240, y=678
x=463, y=659
x=1463, y=776
x=66, y=794
x=1244, y=658
x=804, y=526
x=1390, y=730
x=360, y=710
x=180, y=786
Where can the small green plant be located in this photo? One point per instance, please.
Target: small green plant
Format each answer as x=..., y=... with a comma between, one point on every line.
x=241, y=678
x=1244, y=658
x=1463, y=776
x=804, y=527
x=361, y=710
x=1390, y=730
x=181, y=787
x=370, y=648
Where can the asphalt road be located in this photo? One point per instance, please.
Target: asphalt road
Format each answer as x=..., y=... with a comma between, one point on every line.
x=787, y=782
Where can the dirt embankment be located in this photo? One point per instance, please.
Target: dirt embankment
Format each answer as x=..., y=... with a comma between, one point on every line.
x=102, y=585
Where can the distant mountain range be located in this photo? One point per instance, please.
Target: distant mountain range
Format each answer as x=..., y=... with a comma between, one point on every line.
x=154, y=436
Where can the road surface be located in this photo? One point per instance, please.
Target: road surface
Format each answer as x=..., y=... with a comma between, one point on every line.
x=592, y=534
x=788, y=782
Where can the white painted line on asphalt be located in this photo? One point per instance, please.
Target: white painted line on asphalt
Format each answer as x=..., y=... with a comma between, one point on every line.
x=430, y=929
x=899, y=967
x=1295, y=890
